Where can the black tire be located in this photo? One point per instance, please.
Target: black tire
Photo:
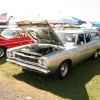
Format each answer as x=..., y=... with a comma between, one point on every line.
x=95, y=55
x=2, y=52
x=62, y=71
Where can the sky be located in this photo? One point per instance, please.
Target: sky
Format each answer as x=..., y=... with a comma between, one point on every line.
x=87, y=10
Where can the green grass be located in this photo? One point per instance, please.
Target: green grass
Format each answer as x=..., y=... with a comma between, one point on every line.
x=82, y=82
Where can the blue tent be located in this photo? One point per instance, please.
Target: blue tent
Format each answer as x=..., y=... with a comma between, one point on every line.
x=97, y=24
x=79, y=20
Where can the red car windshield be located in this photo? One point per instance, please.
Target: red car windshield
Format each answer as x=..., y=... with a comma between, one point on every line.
x=9, y=33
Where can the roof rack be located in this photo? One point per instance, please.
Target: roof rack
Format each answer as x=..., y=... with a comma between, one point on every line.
x=90, y=30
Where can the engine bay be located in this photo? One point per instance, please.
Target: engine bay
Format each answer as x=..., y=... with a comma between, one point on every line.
x=37, y=50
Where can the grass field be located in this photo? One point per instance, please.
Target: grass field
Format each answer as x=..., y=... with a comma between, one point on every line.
x=82, y=82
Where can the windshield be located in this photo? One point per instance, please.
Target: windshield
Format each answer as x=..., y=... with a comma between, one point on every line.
x=67, y=37
x=8, y=33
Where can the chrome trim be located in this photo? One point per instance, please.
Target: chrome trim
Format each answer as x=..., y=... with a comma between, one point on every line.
x=26, y=55
x=28, y=62
x=28, y=66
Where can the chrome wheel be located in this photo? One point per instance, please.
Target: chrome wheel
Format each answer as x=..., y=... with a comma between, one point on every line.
x=64, y=69
x=2, y=52
x=95, y=54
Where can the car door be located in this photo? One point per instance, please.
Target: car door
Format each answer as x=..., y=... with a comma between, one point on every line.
x=91, y=44
x=12, y=41
x=82, y=47
x=17, y=39
x=22, y=39
x=26, y=39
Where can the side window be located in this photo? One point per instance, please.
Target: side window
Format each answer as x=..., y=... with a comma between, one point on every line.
x=12, y=33
x=80, y=39
x=87, y=37
x=20, y=34
x=71, y=38
x=94, y=35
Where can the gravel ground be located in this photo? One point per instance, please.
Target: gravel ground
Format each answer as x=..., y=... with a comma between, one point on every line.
x=7, y=93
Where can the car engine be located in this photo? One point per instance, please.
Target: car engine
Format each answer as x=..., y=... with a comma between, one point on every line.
x=37, y=50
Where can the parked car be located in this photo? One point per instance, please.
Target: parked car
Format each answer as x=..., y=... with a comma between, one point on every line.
x=54, y=51
x=11, y=38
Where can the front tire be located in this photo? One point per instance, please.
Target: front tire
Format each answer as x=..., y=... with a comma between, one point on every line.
x=62, y=71
x=2, y=52
x=95, y=55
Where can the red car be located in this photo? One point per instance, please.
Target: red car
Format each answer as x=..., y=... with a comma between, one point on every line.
x=11, y=38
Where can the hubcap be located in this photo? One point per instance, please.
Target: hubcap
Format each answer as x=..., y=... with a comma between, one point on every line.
x=96, y=54
x=1, y=52
x=64, y=69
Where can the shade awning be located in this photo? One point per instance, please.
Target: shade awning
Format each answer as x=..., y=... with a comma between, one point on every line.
x=79, y=20
x=62, y=20
x=97, y=24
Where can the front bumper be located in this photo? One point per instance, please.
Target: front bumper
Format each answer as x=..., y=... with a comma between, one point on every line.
x=30, y=67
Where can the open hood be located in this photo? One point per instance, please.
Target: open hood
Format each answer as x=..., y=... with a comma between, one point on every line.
x=40, y=32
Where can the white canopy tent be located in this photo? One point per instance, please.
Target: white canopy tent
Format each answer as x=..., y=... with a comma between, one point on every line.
x=65, y=20
x=52, y=19
x=60, y=19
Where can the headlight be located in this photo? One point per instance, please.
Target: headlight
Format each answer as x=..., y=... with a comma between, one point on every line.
x=10, y=54
x=13, y=54
x=44, y=62
x=40, y=61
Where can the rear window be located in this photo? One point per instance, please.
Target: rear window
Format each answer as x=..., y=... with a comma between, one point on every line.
x=94, y=35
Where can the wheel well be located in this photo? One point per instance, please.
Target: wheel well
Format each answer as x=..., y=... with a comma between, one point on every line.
x=69, y=62
x=3, y=47
x=98, y=50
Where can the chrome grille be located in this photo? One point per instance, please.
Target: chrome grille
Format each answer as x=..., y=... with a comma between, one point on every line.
x=26, y=58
